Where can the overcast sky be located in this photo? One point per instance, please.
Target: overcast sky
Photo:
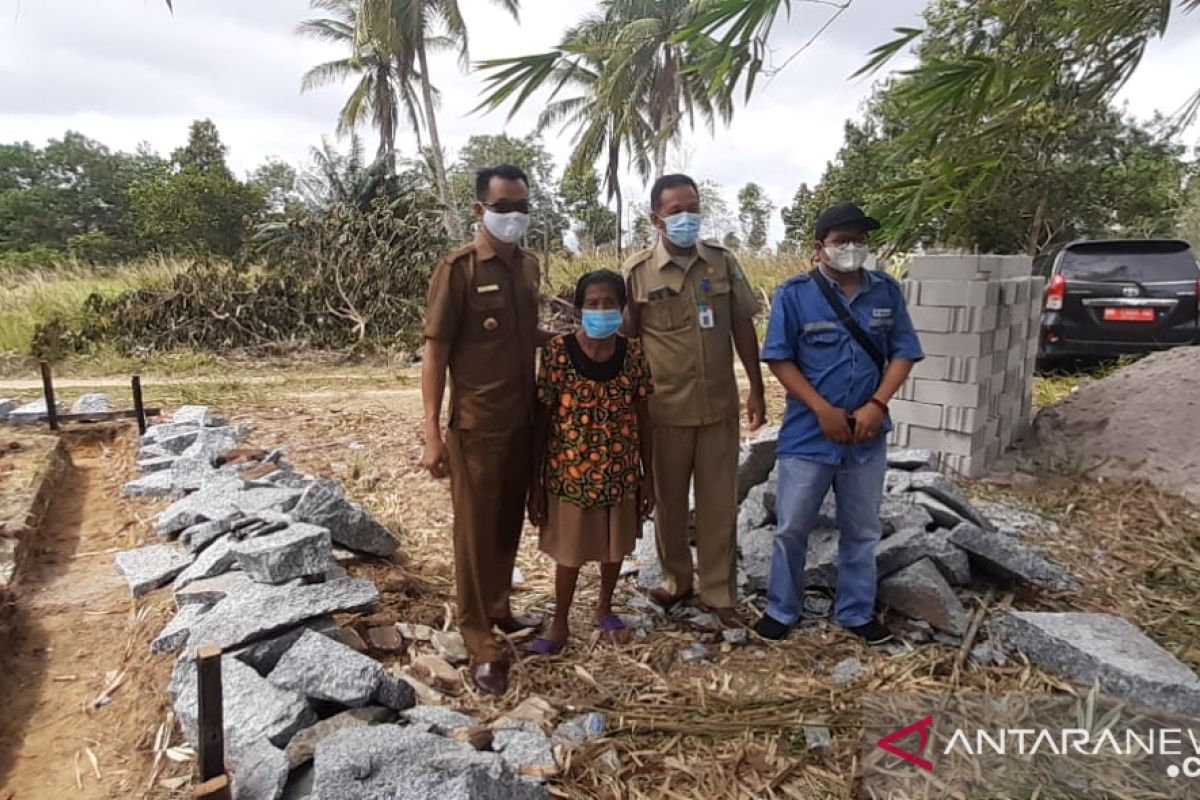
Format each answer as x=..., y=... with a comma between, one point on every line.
x=127, y=71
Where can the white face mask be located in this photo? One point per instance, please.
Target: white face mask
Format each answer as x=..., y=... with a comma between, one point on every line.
x=847, y=257
x=508, y=228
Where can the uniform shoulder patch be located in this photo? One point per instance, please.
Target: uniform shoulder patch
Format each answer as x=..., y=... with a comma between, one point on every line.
x=640, y=257
x=891, y=284
x=531, y=257
x=456, y=255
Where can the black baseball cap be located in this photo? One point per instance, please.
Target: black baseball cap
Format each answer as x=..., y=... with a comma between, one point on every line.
x=843, y=214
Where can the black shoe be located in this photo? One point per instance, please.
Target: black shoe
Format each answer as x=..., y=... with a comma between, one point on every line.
x=770, y=628
x=872, y=633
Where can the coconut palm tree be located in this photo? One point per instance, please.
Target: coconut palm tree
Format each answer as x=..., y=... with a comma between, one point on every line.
x=605, y=128
x=412, y=29
x=385, y=87
x=643, y=60
x=630, y=52
x=335, y=178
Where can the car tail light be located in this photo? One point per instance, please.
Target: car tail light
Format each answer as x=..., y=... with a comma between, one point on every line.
x=1056, y=292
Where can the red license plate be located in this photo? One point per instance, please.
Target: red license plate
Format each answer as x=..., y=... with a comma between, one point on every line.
x=1129, y=315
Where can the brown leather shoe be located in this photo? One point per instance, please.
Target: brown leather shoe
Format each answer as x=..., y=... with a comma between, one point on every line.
x=728, y=617
x=491, y=678
x=517, y=623
x=667, y=600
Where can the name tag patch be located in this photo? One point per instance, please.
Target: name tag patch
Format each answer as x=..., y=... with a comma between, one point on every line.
x=489, y=289
x=881, y=313
x=809, y=327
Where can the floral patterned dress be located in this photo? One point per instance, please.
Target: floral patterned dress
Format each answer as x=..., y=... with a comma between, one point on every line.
x=593, y=459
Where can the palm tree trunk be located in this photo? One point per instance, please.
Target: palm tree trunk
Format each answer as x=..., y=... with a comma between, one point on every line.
x=453, y=223
x=1035, y=231
x=620, y=220
x=387, y=146
x=665, y=111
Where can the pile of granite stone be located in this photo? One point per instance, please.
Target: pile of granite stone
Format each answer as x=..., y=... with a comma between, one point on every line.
x=31, y=413
x=251, y=550
x=934, y=541
x=939, y=553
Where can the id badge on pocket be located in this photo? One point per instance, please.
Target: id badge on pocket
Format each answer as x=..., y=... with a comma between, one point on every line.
x=707, y=317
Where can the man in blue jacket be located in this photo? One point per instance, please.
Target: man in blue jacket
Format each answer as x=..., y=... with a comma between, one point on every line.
x=841, y=343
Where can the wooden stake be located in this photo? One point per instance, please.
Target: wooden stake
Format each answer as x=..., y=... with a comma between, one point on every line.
x=214, y=789
x=138, y=408
x=211, y=712
x=969, y=639
x=48, y=393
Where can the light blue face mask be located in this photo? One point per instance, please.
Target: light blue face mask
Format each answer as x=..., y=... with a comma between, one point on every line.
x=683, y=229
x=601, y=324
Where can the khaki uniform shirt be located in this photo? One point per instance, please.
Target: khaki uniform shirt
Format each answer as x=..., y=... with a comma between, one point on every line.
x=692, y=367
x=487, y=311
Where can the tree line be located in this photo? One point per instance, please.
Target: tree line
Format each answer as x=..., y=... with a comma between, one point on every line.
x=75, y=197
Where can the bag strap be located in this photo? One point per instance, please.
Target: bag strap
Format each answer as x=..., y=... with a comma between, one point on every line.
x=848, y=322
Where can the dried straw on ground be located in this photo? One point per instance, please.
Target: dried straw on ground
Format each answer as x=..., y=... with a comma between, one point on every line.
x=732, y=728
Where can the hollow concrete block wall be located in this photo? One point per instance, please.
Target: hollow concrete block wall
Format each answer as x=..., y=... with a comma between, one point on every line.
x=972, y=396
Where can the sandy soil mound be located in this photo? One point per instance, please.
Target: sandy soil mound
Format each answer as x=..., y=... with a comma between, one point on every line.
x=1142, y=422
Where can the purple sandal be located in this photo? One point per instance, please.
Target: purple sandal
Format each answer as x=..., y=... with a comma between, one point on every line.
x=543, y=646
x=611, y=624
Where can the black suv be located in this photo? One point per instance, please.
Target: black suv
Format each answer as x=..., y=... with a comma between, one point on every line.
x=1118, y=297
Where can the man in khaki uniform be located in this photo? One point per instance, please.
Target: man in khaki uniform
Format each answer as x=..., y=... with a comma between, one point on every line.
x=691, y=306
x=481, y=325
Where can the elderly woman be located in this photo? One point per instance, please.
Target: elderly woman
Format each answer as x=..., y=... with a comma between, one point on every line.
x=592, y=483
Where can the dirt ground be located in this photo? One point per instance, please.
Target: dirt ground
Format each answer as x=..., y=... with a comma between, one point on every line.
x=80, y=699
x=732, y=728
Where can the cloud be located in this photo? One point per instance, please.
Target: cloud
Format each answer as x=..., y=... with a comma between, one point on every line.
x=127, y=71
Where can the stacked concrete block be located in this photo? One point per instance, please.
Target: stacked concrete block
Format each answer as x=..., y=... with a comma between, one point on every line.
x=978, y=319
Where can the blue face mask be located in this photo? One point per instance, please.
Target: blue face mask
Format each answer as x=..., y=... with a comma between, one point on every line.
x=683, y=229
x=599, y=324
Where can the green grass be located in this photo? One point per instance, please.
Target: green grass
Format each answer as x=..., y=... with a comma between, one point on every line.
x=26, y=300
x=61, y=288
x=105, y=361
x=764, y=272
x=1050, y=388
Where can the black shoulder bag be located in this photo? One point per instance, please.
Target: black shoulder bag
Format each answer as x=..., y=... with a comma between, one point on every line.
x=848, y=322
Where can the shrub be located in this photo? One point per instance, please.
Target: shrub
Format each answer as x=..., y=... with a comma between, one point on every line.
x=36, y=259
x=98, y=247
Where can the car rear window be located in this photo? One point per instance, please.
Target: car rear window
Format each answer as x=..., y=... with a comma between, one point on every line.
x=1130, y=261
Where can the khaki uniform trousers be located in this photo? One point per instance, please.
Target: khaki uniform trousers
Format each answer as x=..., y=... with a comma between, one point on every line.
x=710, y=454
x=489, y=485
